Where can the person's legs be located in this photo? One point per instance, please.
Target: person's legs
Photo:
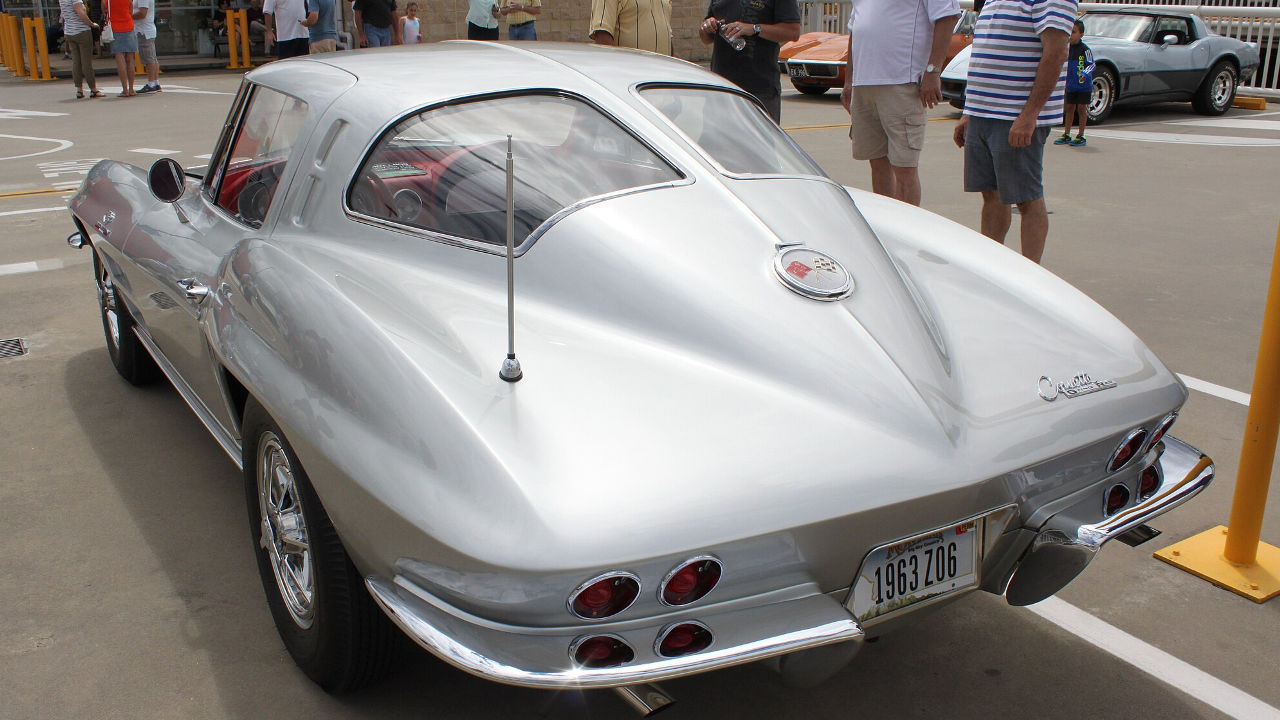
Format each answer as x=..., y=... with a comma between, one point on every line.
x=125, y=72
x=996, y=216
x=906, y=183
x=1034, y=229
x=882, y=177
x=147, y=54
x=76, y=46
x=378, y=37
x=131, y=60
x=523, y=31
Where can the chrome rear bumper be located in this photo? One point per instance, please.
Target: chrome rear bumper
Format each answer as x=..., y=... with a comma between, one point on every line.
x=539, y=657
x=1064, y=546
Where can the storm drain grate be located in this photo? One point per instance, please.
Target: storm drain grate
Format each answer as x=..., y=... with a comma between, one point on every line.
x=14, y=347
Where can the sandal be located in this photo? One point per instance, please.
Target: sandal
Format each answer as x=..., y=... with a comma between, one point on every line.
x=79, y=94
x=97, y=94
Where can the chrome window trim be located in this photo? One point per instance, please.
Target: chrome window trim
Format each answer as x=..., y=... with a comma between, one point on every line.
x=573, y=647
x=605, y=576
x=639, y=88
x=686, y=178
x=662, y=587
x=666, y=630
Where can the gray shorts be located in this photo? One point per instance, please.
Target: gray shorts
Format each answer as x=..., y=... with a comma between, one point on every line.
x=146, y=50
x=990, y=164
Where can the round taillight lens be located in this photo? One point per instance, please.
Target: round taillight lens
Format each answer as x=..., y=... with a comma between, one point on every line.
x=601, y=651
x=604, y=596
x=1117, y=497
x=683, y=639
x=1148, y=483
x=1161, y=429
x=690, y=581
x=1128, y=450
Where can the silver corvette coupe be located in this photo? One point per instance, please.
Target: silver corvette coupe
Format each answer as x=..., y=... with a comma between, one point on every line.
x=580, y=373
x=1148, y=55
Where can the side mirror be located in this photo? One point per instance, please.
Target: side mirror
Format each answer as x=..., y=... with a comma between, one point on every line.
x=166, y=180
x=1169, y=39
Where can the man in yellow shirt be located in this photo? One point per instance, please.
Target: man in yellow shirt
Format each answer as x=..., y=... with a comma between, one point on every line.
x=520, y=16
x=643, y=24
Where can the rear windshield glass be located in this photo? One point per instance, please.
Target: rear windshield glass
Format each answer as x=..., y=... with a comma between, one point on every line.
x=446, y=169
x=732, y=130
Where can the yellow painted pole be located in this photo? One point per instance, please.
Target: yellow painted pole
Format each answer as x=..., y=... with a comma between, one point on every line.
x=1234, y=557
x=1244, y=529
x=5, y=53
x=244, y=37
x=42, y=45
x=233, y=39
x=28, y=26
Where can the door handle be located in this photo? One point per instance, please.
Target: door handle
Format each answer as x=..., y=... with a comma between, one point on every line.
x=193, y=289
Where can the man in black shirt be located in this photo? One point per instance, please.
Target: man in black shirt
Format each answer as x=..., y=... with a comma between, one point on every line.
x=764, y=25
x=377, y=22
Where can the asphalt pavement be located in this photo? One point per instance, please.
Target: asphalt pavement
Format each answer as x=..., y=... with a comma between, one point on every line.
x=128, y=587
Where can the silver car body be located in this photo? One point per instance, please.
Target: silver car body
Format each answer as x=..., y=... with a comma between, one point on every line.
x=679, y=400
x=1147, y=68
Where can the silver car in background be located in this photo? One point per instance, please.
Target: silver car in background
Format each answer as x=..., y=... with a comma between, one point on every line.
x=758, y=414
x=1148, y=55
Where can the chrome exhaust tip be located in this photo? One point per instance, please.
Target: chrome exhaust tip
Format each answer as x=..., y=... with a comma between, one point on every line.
x=645, y=698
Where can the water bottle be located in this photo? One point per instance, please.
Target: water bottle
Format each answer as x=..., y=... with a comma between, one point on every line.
x=736, y=43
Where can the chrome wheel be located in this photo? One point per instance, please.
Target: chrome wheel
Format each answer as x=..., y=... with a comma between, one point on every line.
x=1103, y=96
x=107, y=301
x=1223, y=89
x=284, y=530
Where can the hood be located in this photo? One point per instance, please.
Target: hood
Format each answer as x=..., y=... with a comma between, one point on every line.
x=832, y=49
x=804, y=42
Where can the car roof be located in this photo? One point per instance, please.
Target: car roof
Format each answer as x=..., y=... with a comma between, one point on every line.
x=1141, y=10
x=418, y=75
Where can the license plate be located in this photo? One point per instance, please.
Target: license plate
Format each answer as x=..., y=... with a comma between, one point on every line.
x=797, y=71
x=904, y=573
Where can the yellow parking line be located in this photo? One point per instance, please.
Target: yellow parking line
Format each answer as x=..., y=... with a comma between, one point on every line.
x=35, y=193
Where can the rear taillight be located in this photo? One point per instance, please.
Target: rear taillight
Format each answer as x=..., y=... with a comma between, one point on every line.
x=1117, y=497
x=690, y=581
x=1128, y=449
x=601, y=651
x=685, y=638
x=1148, y=483
x=1161, y=429
x=604, y=596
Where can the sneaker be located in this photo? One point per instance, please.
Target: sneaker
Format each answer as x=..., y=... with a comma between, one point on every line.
x=149, y=89
x=1079, y=141
x=1064, y=140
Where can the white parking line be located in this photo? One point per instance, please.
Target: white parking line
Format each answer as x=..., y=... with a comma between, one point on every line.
x=154, y=151
x=32, y=210
x=62, y=145
x=1186, y=139
x=1155, y=662
x=1209, y=388
x=30, y=267
x=1234, y=123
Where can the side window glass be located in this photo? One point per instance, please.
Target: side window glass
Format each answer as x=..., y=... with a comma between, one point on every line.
x=445, y=169
x=246, y=181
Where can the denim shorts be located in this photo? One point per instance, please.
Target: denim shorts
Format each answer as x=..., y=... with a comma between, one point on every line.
x=990, y=164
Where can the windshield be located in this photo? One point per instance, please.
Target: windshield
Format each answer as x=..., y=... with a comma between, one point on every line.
x=446, y=169
x=1134, y=28
x=731, y=130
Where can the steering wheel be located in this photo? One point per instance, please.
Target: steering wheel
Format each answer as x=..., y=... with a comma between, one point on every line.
x=255, y=196
x=371, y=196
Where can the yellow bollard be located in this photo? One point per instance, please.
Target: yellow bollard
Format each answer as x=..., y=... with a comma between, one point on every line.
x=6, y=55
x=238, y=39
x=1235, y=557
x=41, y=71
x=244, y=37
x=28, y=27
x=18, y=67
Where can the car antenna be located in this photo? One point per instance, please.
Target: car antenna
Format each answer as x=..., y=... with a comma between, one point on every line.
x=511, y=371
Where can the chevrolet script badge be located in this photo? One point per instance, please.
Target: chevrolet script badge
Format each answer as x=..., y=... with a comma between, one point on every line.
x=812, y=273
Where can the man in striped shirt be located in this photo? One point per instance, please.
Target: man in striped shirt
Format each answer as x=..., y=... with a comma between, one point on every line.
x=643, y=24
x=1013, y=97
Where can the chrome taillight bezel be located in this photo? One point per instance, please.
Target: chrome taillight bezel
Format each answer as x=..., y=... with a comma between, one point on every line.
x=1106, y=499
x=582, y=639
x=668, y=629
x=662, y=587
x=1135, y=438
x=612, y=574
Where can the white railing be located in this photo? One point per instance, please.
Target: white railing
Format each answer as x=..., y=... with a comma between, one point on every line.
x=1255, y=21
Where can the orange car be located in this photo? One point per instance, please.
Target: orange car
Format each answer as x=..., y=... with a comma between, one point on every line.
x=817, y=60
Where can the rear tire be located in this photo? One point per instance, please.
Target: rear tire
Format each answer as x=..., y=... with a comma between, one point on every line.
x=128, y=355
x=329, y=624
x=811, y=89
x=1106, y=89
x=1218, y=91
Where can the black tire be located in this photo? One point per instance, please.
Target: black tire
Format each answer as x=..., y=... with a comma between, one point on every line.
x=330, y=625
x=811, y=89
x=1106, y=89
x=1218, y=91
x=128, y=355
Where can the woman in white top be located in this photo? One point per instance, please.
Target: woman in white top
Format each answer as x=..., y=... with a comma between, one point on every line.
x=410, y=26
x=77, y=37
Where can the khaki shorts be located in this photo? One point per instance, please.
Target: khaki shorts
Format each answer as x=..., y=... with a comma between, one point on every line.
x=324, y=46
x=887, y=121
